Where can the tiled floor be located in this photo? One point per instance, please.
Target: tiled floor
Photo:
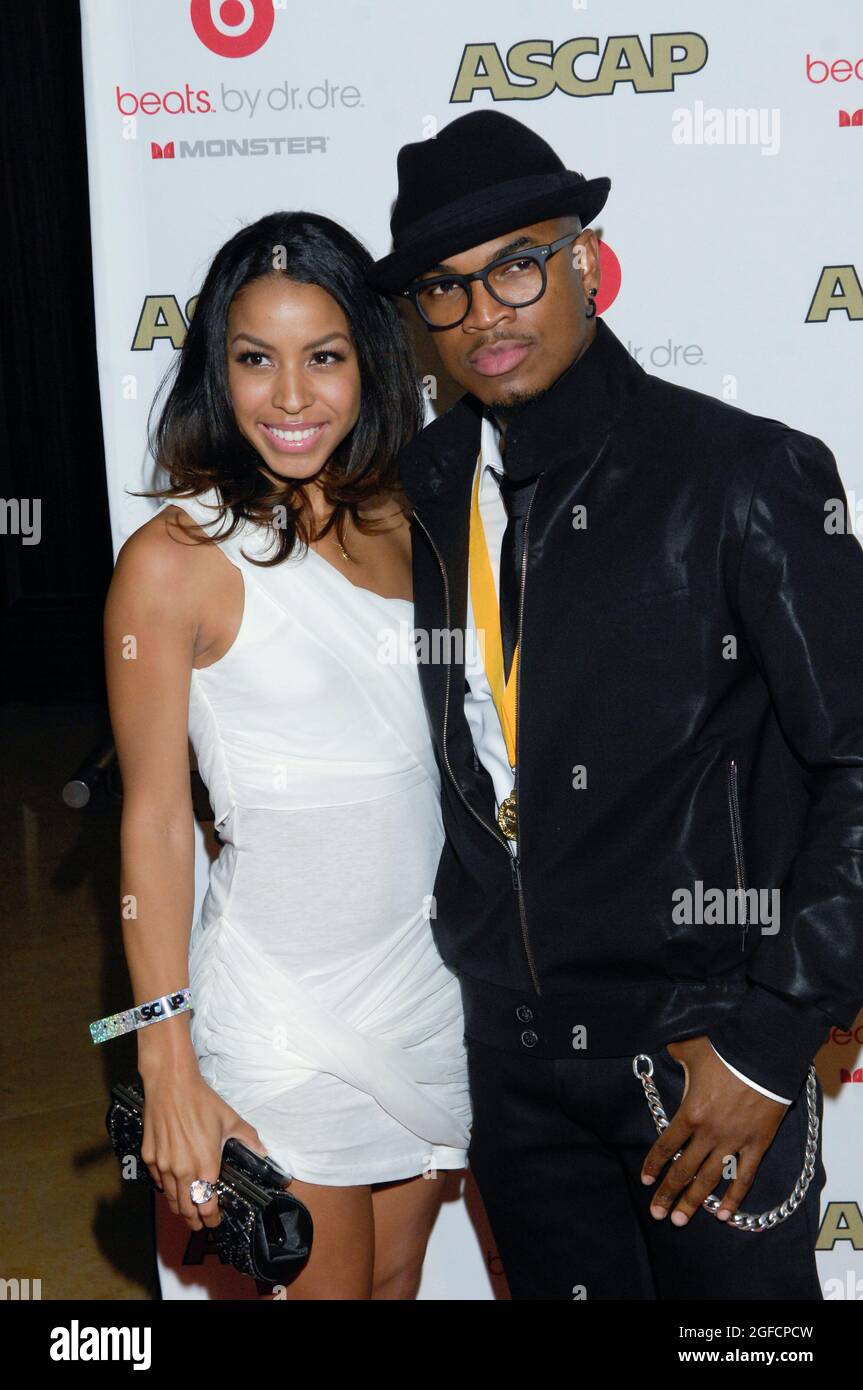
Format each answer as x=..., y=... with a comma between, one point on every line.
x=66, y=1217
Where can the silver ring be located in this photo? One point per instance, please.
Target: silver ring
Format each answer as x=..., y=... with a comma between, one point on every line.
x=747, y=1220
x=200, y=1191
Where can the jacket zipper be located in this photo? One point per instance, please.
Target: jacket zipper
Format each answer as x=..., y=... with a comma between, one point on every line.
x=737, y=842
x=521, y=907
x=515, y=866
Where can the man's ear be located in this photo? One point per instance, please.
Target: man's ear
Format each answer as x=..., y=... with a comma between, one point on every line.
x=585, y=255
x=581, y=252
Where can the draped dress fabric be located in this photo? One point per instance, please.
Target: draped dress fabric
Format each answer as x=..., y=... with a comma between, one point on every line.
x=322, y=1011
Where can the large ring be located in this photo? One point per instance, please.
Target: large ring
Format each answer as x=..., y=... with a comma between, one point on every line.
x=200, y=1191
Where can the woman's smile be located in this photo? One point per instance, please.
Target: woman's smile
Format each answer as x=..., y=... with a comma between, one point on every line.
x=293, y=441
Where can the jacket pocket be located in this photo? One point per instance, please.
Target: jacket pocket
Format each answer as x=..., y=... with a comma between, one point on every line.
x=737, y=841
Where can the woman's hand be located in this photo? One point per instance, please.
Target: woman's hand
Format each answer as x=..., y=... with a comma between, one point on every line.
x=186, y=1125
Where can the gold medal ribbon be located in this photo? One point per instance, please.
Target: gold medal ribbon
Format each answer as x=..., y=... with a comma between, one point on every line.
x=486, y=610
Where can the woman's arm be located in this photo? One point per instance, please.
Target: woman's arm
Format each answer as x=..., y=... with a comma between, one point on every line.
x=153, y=627
x=150, y=632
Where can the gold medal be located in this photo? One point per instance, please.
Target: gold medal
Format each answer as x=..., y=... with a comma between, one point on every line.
x=507, y=816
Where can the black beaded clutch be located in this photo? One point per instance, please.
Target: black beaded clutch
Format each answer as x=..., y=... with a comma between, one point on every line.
x=264, y=1230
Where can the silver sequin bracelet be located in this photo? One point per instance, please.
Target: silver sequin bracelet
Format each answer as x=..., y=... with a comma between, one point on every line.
x=141, y=1016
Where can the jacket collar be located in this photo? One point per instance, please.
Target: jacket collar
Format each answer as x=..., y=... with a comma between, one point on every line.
x=567, y=421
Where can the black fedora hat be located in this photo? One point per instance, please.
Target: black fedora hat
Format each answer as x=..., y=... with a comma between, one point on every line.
x=485, y=174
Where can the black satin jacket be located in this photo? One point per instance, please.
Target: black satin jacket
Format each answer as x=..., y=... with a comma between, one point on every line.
x=690, y=710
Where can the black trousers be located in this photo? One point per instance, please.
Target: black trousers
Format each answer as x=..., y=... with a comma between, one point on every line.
x=557, y=1148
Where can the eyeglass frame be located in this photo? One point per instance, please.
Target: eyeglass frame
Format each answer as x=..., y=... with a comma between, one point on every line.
x=539, y=254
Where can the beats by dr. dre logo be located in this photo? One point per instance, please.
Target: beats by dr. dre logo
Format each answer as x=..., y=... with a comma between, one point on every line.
x=233, y=28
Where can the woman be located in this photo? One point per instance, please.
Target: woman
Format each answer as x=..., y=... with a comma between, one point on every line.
x=251, y=614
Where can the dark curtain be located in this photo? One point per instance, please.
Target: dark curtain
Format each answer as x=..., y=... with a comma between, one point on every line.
x=50, y=424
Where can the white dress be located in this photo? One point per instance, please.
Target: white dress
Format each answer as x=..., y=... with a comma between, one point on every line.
x=322, y=1011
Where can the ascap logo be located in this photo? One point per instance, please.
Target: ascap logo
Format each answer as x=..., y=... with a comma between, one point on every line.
x=233, y=28
x=838, y=289
x=162, y=319
x=545, y=69
x=842, y=1221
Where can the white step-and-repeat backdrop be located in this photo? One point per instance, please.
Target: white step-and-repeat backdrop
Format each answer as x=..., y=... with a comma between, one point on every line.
x=733, y=256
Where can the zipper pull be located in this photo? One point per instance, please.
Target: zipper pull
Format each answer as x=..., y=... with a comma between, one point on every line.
x=516, y=873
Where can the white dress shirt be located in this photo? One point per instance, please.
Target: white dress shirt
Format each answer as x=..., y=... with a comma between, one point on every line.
x=479, y=707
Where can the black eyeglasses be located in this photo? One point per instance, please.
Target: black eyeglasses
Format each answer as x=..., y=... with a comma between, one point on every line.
x=515, y=280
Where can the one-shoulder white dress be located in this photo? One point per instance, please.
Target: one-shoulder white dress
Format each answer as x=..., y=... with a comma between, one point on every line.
x=322, y=1011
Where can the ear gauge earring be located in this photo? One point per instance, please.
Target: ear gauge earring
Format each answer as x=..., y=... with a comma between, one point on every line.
x=590, y=307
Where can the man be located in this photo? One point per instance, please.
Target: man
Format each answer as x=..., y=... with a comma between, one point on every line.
x=653, y=786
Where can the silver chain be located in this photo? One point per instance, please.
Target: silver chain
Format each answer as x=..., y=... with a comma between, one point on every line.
x=745, y=1220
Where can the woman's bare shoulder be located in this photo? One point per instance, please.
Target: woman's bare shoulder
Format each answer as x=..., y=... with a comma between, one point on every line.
x=163, y=557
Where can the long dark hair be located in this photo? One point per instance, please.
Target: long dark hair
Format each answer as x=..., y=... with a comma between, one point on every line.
x=197, y=440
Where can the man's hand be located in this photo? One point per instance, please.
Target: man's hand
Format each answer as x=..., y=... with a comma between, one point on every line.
x=719, y=1116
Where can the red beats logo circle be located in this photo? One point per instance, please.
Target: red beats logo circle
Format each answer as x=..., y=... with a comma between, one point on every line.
x=610, y=285
x=233, y=28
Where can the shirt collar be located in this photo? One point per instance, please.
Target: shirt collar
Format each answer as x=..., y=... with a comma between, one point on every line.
x=565, y=424
x=492, y=461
